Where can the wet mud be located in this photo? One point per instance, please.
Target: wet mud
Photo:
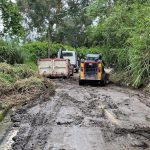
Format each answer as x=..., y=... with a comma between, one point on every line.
x=84, y=118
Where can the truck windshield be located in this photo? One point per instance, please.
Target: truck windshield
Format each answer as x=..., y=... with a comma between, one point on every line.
x=67, y=54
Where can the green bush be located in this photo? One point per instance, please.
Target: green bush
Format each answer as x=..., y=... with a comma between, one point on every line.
x=35, y=50
x=10, y=52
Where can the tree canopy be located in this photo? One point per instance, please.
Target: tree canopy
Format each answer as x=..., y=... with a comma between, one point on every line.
x=11, y=18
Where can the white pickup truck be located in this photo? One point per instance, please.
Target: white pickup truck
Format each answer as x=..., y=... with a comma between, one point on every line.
x=57, y=67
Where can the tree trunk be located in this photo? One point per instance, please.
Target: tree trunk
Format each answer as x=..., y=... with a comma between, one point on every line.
x=49, y=41
x=58, y=5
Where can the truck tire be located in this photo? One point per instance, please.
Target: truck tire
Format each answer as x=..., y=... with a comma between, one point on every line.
x=71, y=74
x=77, y=70
x=81, y=82
x=104, y=80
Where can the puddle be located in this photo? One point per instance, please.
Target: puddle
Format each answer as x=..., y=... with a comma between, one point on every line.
x=7, y=141
x=7, y=132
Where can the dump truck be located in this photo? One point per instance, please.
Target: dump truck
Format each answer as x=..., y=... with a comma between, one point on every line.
x=55, y=67
x=92, y=70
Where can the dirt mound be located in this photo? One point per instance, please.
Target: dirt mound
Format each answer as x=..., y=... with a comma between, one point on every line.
x=26, y=90
x=19, y=84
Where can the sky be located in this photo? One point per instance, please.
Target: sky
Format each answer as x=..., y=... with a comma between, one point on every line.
x=1, y=22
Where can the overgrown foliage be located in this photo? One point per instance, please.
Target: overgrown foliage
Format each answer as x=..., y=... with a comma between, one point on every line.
x=10, y=74
x=35, y=50
x=10, y=52
x=11, y=18
x=124, y=31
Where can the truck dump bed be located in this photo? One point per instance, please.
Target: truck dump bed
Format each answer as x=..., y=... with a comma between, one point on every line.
x=53, y=67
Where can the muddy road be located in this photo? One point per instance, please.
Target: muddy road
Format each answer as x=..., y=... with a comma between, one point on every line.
x=84, y=118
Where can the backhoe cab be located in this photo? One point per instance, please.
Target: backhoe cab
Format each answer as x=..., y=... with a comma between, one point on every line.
x=92, y=70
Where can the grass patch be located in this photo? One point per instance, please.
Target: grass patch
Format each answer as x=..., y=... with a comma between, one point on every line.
x=120, y=78
x=1, y=116
x=6, y=68
x=28, y=84
x=19, y=76
x=124, y=79
x=18, y=71
x=6, y=79
x=22, y=71
x=147, y=88
x=32, y=65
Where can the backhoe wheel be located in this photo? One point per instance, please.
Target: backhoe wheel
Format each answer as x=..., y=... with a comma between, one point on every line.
x=103, y=83
x=81, y=82
x=77, y=70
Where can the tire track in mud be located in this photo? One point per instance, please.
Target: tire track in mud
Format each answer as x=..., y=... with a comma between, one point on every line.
x=36, y=125
x=75, y=117
x=138, y=135
x=128, y=129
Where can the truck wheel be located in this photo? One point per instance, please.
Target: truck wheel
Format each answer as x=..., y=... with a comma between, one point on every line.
x=81, y=82
x=77, y=70
x=71, y=74
x=104, y=80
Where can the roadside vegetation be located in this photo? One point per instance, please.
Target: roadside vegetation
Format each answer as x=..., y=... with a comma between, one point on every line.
x=20, y=84
x=129, y=71
x=125, y=32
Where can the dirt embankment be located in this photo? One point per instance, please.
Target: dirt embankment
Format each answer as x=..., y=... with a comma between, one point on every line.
x=20, y=84
x=84, y=118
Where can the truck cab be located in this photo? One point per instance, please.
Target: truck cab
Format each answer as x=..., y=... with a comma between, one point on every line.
x=72, y=56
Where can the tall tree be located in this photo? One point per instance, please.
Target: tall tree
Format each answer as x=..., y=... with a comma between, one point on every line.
x=42, y=15
x=72, y=29
x=11, y=18
x=62, y=21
